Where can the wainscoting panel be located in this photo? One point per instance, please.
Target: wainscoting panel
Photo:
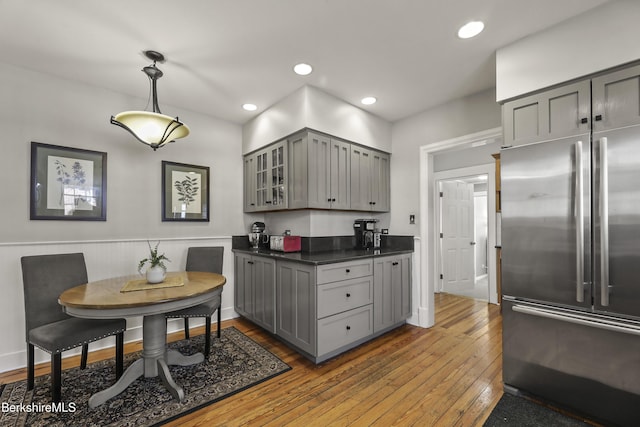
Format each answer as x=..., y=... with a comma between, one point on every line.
x=104, y=259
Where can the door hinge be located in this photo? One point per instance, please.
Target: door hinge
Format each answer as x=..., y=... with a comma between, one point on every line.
x=441, y=235
x=441, y=276
x=442, y=194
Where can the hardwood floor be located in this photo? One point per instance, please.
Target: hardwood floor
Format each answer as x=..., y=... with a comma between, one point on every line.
x=447, y=375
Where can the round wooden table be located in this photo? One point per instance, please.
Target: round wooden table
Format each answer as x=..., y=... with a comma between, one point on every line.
x=104, y=299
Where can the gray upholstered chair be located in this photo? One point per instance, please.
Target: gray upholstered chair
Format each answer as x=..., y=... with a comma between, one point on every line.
x=207, y=259
x=44, y=278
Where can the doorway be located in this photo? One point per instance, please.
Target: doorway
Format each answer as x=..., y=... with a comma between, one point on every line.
x=428, y=275
x=462, y=250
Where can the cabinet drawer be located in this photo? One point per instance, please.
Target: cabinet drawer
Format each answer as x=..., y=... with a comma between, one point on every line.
x=344, y=328
x=344, y=270
x=344, y=295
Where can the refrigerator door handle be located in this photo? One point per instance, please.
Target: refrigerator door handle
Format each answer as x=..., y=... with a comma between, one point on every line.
x=604, y=223
x=609, y=325
x=579, y=212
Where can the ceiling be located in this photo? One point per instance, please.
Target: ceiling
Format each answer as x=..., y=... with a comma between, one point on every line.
x=223, y=53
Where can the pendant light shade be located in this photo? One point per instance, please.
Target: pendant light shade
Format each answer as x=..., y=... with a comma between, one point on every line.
x=152, y=127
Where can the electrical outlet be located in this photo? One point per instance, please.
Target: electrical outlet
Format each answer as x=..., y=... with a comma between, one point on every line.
x=412, y=219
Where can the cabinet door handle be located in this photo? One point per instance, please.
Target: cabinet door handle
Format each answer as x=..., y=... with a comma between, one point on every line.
x=394, y=263
x=348, y=328
x=250, y=262
x=598, y=117
x=333, y=200
x=348, y=295
x=268, y=202
x=253, y=204
x=328, y=200
x=584, y=120
x=348, y=271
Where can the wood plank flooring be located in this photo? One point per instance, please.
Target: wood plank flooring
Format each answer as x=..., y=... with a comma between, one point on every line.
x=447, y=375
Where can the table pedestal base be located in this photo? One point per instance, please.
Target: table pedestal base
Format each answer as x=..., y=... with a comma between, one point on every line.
x=155, y=361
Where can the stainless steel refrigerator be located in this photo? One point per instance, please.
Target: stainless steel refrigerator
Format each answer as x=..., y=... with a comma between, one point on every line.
x=571, y=272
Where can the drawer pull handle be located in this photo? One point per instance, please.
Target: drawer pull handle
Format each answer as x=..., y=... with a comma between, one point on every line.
x=348, y=295
x=348, y=271
x=348, y=328
x=394, y=263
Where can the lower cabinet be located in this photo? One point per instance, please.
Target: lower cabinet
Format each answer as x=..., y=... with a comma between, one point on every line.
x=327, y=309
x=392, y=290
x=255, y=289
x=296, y=305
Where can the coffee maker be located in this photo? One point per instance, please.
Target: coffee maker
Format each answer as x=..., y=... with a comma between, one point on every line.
x=367, y=237
x=257, y=237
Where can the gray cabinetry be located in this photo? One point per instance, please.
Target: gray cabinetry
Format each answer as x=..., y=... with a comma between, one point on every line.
x=616, y=99
x=370, y=180
x=250, y=178
x=318, y=172
x=255, y=287
x=392, y=291
x=345, y=306
x=296, y=302
x=552, y=114
x=324, y=310
x=265, y=176
x=310, y=170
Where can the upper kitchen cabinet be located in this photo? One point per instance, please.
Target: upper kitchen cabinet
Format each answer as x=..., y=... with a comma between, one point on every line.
x=312, y=170
x=370, y=180
x=319, y=172
x=616, y=99
x=265, y=178
x=555, y=113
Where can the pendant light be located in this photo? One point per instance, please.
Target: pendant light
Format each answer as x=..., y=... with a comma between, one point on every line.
x=152, y=128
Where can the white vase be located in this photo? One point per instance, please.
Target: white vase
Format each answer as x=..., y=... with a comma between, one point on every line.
x=155, y=274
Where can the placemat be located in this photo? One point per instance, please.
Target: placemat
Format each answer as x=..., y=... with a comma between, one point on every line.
x=142, y=284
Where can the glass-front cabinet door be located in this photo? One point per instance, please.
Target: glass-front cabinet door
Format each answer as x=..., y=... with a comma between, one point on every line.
x=270, y=179
x=262, y=169
x=278, y=177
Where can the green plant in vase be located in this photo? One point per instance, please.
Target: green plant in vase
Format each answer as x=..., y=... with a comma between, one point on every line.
x=156, y=271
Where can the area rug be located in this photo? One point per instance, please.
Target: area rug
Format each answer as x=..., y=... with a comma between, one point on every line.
x=235, y=363
x=517, y=411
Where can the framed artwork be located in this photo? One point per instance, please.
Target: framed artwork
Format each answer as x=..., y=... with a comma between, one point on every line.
x=185, y=192
x=68, y=183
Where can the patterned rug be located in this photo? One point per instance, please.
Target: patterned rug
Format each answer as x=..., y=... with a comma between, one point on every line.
x=236, y=363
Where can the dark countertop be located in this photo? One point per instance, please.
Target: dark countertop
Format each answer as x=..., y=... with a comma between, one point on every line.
x=325, y=257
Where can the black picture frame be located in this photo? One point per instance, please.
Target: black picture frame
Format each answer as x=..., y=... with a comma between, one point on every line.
x=185, y=192
x=67, y=183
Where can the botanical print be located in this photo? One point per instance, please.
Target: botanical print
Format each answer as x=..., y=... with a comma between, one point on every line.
x=185, y=192
x=70, y=184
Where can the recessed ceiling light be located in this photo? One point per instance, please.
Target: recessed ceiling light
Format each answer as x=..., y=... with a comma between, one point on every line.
x=470, y=29
x=368, y=100
x=250, y=107
x=303, y=69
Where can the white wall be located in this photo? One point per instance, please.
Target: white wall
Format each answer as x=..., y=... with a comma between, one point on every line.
x=460, y=117
x=598, y=39
x=310, y=107
x=42, y=108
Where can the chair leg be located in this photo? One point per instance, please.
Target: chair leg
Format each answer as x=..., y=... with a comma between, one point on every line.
x=207, y=336
x=30, y=366
x=85, y=354
x=56, y=377
x=186, y=327
x=219, y=320
x=119, y=355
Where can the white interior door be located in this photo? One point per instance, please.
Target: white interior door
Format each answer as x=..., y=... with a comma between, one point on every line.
x=457, y=234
